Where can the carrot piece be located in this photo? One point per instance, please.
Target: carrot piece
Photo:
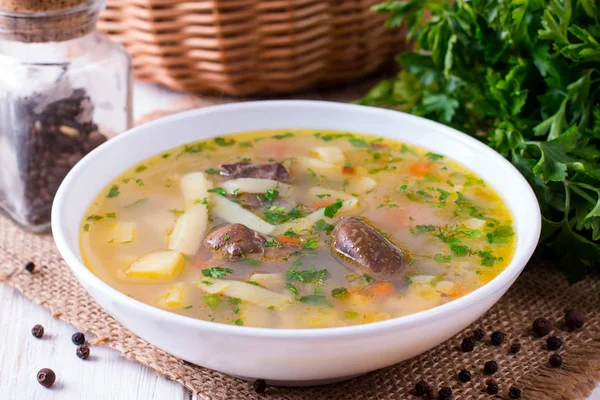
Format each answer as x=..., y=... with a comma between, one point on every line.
x=323, y=203
x=288, y=239
x=420, y=168
x=459, y=291
x=380, y=289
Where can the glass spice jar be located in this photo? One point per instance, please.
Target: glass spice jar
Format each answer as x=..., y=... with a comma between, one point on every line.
x=64, y=90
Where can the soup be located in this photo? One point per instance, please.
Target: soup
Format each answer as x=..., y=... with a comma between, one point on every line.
x=297, y=229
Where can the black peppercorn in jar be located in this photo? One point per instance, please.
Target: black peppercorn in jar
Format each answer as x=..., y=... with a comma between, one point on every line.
x=64, y=89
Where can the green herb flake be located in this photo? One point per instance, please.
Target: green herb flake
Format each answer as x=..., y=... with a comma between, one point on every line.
x=442, y=259
x=340, y=293
x=213, y=171
x=212, y=300
x=271, y=307
x=271, y=194
x=223, y=142
x=358, y=143
x=292, y=288
x=501, y=234
x=187, y=307
x=140, y=182
x=111, y=215
x=307, y=276
x=253, y=262
x=113, y=192
x=437, y=279
x=388, y=204
x=323, y=226
x=239, y=322
x=166, y=155
x=86, y=227
x=332, y=209
x=434, y=156
x=253, y=283
x=94, y=217
x=316, y=300
x=207, y=283
x=311, y=244
x=272, y=242
x=176, y=211
x=368, y=278
x=245, y=145
x=323, y=195
x=141, y=168
x=283, y=136
x=216, y=272
x=219, y=191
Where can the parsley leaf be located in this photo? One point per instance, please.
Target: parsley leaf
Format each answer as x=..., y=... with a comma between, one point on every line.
x=271, y=194
x=332, y=209
x=316, y=300
x=322, y=225
x=113, y=192
x=216, y=272
x=219, y=191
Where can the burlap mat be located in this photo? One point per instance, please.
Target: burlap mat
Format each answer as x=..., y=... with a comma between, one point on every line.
x=540, y=291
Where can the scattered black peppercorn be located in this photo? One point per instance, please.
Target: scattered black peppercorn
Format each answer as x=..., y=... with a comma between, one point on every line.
x=37, y=331
x=479, y=334
x=515, y=348
x=553, y=343
x=78, y=338
x=555, y=360
x=46, y=377
x=490, y=367
x=514, y=392
x=29, y=266
x=422, y=389
x=497, y=338
x=83, y=352
x=542, y=327
x=468, y=344
x=260, y=386
x=464, y=376
x=492, y=388
x=445, y=393
x=574, y=319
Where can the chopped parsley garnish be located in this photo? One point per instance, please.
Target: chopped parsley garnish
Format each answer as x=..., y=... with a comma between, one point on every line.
x=323, y=195
x=316, y=300
x=141, y=168
x=332, y=209
x=271, y=194
x=207, y=283
x=368, y=278
x=388, y=204
x=466, y=207
x=235, y=302
x=140, y=182
x=442, y=258
x=272, y=242
x=224, y=142
x=86, y=227
x=238, y=322
x=213, y=171
x=437, y=279
x=271, y=307
x=203, y=201
x=322, y=225
x=219, y=191
x=292, y=288
x=245, y=144
x=187, y=307
x=111, y=215
x=340, y=293
x=166, y=155
x=501, y=234
x=358, y=143
x=488, y=259
x=216, y=272
x=402, y=188
x=291, y=233
x=94, y=217
x=283, y=136
x=312, y=173
x=278, y=215
x=212, y=300
x=176, y=211
x=311, y=244
x=307, y=276
x=253, y=283
x=386, y=168
x=434, y=156
x=253, y=262
x=113, y=192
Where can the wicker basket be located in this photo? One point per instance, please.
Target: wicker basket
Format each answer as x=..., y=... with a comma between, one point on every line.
x=244, y=47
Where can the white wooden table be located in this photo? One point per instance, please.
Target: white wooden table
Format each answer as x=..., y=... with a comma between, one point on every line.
x=105, y=375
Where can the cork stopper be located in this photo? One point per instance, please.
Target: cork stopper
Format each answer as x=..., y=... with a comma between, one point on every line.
x=41, y=21
x=38, y=5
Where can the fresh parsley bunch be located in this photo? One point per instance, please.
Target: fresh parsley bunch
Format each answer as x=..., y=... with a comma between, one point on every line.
x=524, y=76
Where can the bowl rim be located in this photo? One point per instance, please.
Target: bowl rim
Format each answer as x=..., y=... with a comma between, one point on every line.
x=527, y=198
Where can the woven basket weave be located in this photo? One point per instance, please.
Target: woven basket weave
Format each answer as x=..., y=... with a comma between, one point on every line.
x=245, y=47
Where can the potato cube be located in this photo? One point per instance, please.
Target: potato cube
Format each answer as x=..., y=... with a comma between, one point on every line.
x=159, y=265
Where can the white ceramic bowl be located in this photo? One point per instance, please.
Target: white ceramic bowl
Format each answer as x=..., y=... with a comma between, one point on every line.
x=292, y=356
